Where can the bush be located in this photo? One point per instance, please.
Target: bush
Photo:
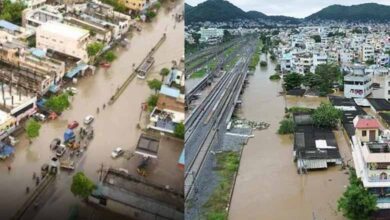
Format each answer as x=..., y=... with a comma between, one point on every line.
x=296, y=109
x=152, y=102
x=179, y=130
x=263, y=64
x=287, y=126
x=275, y=77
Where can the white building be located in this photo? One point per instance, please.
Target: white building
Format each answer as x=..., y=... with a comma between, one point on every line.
x=32, y=3
x=319, y=59
x=207, y=34
x=357, y=83
x=368, y=52
x=371, y=157
x=387, y=88
x=33, y=18
x=63, y=38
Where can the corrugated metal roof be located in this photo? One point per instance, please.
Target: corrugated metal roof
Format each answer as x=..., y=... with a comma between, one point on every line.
x=168, y=91
x=8, y=25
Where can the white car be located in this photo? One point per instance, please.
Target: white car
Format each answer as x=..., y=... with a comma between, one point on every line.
x=72, y=90
x=117, y=152
x=39, y=117
x=89, y=119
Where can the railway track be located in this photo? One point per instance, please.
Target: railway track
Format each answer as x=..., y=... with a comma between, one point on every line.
x=217, y=106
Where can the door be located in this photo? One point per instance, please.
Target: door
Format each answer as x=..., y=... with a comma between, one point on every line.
x=372, y=136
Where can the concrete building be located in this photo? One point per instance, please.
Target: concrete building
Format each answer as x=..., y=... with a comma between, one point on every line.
x=210, y=34
x=63, y=38
x=368, y=52
x=10, y=32
x=7, y=124
x=371, y=157
x=387, y=88
x=169, y=110
x=32, y=3
x=30, y=69
x=358, y=82
x=33, y=18
x=137, y=198
x=138, y=5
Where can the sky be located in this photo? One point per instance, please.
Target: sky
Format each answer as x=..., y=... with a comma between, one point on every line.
x=293, y=8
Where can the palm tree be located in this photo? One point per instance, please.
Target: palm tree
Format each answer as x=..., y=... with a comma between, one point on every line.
x=164, y=72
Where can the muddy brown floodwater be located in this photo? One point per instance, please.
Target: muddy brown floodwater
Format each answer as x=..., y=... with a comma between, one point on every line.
x=115, y=126
x=268, y=186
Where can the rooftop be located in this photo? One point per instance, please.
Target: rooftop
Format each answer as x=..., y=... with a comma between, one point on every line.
x=64, y=30
x=367, y=123
x=9, y=26
x=168, y=91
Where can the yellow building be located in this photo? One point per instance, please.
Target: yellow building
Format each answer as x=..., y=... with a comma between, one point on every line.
x=136, y=5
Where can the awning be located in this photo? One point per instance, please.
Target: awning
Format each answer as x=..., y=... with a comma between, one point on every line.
x=41, y=103
x=181, y=158
x=76, y=70
x=6, y=150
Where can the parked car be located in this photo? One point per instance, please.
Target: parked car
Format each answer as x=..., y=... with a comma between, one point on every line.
x=117, y=152
x=72, y=90
x=55, y=143
x=73, y=125
x=89, y=119
x=39, y=117
x=60, y=150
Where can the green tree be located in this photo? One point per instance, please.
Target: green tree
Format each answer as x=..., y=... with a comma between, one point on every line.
x=179, y=130
x=58, y=103
x=317, y=38
x=328, y=74
x=292, y=81
x=196, y=37
x=263, y=63
x=311, y=80
x=286, y=126
x=12, y=11
x=82, y=186
x=164, y=72
x=110, y=56
x=94, y=48
x=150, y=14
x=370, y=62
x=155, y=85
x=326, y=116
x=227, y=36
x=356, y=203
x=32, y=128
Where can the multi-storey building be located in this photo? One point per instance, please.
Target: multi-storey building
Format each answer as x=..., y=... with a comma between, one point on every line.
x=371, y=156
x=63, y=38
x=358, y=82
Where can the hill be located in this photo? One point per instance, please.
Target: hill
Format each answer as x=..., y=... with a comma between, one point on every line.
x=363, y=12
x=214, y=10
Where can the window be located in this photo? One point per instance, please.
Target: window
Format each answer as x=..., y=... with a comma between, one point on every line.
x=364, y=133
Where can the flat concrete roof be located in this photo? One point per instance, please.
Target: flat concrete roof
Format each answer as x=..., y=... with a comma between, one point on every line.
x=65, y=30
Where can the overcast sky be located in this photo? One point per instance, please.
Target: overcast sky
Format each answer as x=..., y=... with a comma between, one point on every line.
x=294, y=8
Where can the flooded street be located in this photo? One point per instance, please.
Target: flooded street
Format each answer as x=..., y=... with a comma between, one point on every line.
x=267, y=185
x=116, y=126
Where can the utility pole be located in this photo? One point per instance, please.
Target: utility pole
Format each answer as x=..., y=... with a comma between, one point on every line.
x=101, y=172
